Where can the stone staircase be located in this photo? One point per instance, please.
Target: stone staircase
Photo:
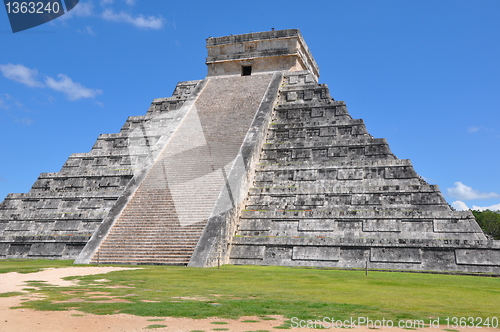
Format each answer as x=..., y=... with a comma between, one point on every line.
x=148, y=231
x=163, y=220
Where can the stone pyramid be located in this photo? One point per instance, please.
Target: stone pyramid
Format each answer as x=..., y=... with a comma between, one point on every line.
x=255, y=164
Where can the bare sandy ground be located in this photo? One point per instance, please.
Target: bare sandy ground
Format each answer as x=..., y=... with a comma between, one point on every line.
x=25, y=320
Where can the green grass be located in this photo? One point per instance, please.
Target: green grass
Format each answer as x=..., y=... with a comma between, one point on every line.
x=31, y=265
x=9, y=294
x=155, y=326
x=235, y=291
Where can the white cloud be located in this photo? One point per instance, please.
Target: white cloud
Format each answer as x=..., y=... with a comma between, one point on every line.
x=140, y=21
x=7, y=97
x=473, y=129
x=83, y=9
x=463, y=192
x=109, y=2
x=14, y=108
x=21, y=74
x=88, y=29
x=3, y=105
x=73, y=90
x=25, y=121
x=495, y=207
x=27, y=76
x=460, y=206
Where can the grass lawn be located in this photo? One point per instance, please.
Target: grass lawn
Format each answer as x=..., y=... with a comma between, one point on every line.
x=30, y=265
x=235, y=291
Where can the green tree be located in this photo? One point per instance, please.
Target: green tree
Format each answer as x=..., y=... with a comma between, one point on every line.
x=489, y=221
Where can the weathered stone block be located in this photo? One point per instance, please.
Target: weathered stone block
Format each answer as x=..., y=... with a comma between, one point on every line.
x=72, y=250
x=328, y=131
x=19, y=226
x=455, y=226
x=350, y=174
x=334, y=199
x=372, y=150
x=255, y=225
x=382, y=225
x=279, y=135
x=420, y=227
x=4, y=249
x=305, y=175
x=396, y=255
x=18, y=249
x=361, y=130
x=301, y=153
x=478, y=257
x=327, y=174
x=427, y=198
x=66, y=225
x=284, y=175
x=337, y=151
x=283, y=154
x=396, y=199
x=248, y=252
x=296, y=133
x=294, y=114
x=320, y=154
x=317, y=113
x=72, y=162
x=317, y=225
x=312, y=132
x=345, y=130
x=316, y=253
x=355, y=152
x=47, y=249
x=404, y=172
x=347, y=225
x=278, y=255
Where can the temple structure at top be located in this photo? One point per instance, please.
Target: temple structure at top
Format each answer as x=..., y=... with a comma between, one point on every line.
x=262, y=52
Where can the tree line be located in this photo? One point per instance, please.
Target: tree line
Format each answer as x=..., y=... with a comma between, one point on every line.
x=489, y=221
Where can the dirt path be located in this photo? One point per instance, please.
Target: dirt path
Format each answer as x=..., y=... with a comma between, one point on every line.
x=25, y=320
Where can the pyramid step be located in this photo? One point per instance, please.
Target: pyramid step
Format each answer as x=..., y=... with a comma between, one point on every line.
x=144, y=256
x=141, y=247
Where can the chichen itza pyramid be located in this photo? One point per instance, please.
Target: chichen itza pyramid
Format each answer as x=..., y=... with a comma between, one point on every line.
x=255, y=164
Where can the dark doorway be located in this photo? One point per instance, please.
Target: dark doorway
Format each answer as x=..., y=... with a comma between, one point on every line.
x=246, y=70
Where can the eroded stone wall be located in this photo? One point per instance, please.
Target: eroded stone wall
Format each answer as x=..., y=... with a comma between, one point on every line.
x=60, y=213
x=327, y=193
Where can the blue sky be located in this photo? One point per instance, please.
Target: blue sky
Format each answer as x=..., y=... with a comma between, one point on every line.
x=423, y=74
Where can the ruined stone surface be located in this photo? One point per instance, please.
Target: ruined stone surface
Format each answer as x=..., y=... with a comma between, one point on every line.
x=63, y=210
x=327, y=193
x=164, y=218
x=252, y=165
